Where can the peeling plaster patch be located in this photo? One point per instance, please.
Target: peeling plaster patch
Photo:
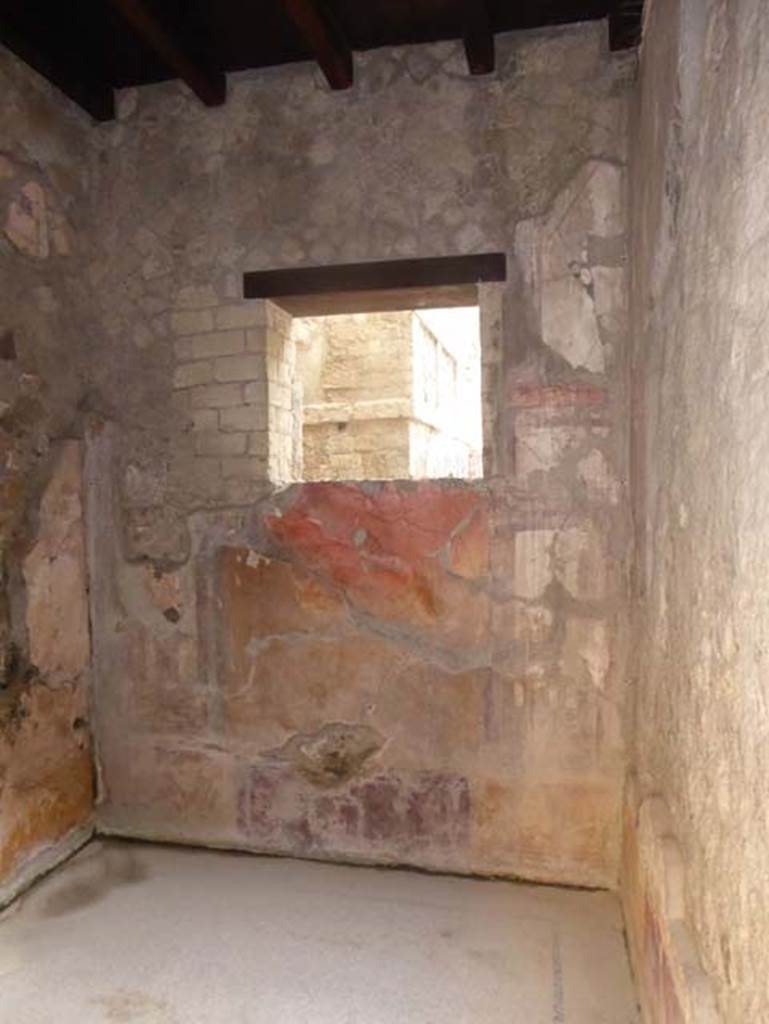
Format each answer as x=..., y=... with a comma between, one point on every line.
x=333, y=754
x=579, y=301
x=531, y=571
x=26, y=224
x=587, y=641
x=524, y=626
x=589, y=207
x=600, y=484
x=542, y=448
x=580, y=563
x=164, y=590
x=60, y=232
x=254, y=559
x=569, y=324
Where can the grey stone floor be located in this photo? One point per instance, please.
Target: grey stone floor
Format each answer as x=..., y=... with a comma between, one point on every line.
x=128, y=933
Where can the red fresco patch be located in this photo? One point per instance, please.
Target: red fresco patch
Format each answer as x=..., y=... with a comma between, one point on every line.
x=407, y=523
x=379, y=546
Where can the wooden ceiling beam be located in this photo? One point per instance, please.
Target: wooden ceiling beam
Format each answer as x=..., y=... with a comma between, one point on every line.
x=324, y=40
x=478, y=37
x=208, y=85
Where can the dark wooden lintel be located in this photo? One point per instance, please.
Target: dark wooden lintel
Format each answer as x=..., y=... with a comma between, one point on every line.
x=478, y=37
x=373, y=287
x=324, y=40
x=208, y=85
x=381, y=300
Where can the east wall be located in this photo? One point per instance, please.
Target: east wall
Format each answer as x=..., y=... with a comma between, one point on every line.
x=430, y=674
x=697, y=852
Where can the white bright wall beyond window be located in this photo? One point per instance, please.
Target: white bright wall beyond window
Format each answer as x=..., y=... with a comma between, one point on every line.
x=390, y=395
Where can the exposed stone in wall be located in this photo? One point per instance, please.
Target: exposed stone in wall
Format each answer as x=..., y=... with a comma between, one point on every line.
x=479, y=630
x=700, y=230
x=289, y=175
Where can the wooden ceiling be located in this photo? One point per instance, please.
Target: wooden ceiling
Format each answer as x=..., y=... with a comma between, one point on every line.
x=88, y=48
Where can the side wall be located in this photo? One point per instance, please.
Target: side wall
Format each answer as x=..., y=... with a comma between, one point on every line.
x=700, y=181
x=45, y=764
x=431, y=674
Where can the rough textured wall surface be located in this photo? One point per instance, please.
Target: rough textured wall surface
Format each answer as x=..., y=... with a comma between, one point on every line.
x=45, y=775
x=46, y=792
x=673, y=987
x=442, y=680
x=701, y=242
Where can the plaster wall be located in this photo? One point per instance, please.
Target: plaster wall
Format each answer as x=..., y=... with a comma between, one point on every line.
x=46, y=797
x=700, y=226
x=430, y=674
